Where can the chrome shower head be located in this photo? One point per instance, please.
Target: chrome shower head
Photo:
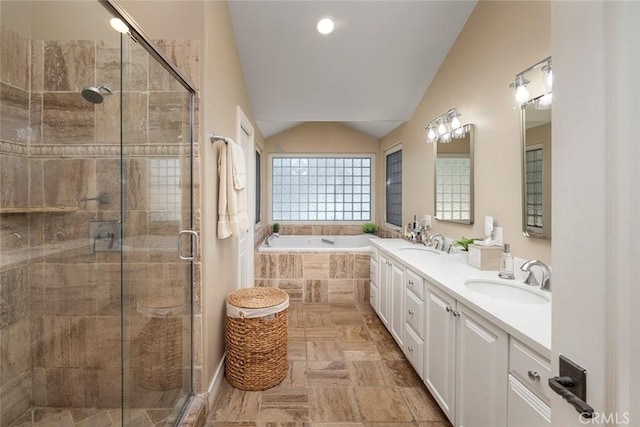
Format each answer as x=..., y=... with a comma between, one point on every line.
x=95, y=94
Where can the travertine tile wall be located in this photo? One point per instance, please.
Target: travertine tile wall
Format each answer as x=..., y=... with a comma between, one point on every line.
x=60, y=309
x=316, y=230
x=316, y=277
x=389, y=233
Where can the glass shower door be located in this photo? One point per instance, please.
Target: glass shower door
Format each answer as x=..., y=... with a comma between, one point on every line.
x=156, y=206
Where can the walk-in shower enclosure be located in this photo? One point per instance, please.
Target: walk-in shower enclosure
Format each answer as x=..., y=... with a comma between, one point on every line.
x=96, y=186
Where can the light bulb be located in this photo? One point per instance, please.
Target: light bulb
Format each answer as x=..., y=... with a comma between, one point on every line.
x=118, y=25
x=442, y=129
x=325, y=26
x=522, y=94
x=431, y=134
x=455, y=121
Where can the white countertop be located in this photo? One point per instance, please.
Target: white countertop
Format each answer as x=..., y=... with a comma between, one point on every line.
x=529, y=323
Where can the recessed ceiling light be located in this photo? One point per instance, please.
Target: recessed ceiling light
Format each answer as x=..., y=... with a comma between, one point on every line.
x=118, y=25
x=325, y=26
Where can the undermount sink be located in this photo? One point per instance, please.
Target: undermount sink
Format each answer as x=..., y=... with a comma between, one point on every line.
x=504, y=291
x=421, y=250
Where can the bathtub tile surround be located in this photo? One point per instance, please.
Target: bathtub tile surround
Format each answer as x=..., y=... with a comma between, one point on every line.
x=315, y=277
x=339, y=380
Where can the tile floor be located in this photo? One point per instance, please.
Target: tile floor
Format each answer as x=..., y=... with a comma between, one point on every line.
x=86, y=417
x=344, y=370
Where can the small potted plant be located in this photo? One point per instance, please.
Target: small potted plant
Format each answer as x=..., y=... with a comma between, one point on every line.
x=369, y=228
x=463, y=244
x=276, y=228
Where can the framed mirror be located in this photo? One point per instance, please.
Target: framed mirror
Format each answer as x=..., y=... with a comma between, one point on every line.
x=454, y=179
x=536, y=170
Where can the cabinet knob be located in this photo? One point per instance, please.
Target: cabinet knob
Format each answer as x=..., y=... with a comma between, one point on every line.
x=449, y=309
x=410, y=348
x=456, y=313
x=411, y=282
x=410, y=312
x=533, y=376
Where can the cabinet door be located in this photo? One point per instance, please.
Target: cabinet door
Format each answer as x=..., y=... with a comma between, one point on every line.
x=481, y=371
x=383, y=286
x=525, y=408
x=397, y=288
x=440, y=347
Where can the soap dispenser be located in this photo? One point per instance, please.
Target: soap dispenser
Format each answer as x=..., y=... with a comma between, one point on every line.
x=506, y=264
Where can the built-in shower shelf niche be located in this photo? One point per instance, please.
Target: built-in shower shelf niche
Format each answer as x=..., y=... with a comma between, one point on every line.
x=38, y=209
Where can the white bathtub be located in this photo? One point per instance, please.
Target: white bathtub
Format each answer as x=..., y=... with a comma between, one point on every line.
x=293, y=243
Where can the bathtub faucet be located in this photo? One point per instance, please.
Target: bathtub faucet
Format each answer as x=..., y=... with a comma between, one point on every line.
x=271, y=236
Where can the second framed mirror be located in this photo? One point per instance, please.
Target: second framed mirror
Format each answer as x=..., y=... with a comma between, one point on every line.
x=454, y=179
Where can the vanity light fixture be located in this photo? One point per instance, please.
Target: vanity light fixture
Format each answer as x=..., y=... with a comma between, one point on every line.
x=445, y=127
x=520, y=85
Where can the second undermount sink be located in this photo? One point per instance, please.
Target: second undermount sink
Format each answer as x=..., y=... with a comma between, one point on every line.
x=505, y=291
x=426, y=251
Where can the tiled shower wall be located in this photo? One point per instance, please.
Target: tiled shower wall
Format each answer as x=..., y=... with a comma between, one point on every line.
x=316, y=277
x=60, y=311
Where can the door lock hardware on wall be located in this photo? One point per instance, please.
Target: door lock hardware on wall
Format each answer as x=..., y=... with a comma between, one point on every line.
x=572, y=386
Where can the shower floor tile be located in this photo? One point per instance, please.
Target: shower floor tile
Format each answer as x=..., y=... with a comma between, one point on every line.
x=342, y=360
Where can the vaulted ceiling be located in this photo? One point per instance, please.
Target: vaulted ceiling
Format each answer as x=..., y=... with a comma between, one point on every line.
x=369, y=74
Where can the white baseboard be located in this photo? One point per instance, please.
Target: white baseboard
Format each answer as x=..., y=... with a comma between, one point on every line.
x=216, y=382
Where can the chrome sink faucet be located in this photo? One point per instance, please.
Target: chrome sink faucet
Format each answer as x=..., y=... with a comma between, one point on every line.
x=531, y=278
x=439, y=241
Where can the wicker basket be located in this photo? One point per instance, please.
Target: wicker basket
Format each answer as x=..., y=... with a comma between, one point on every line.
x=256, y=338
x=161, y=344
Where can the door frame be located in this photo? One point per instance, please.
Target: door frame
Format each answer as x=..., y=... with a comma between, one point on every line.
x=243, y=124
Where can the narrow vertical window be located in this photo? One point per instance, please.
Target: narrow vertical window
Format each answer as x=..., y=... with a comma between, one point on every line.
x=394, y=188
x=258, y=183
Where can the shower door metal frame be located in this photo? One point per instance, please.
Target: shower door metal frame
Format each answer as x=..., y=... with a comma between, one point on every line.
x=142, y=39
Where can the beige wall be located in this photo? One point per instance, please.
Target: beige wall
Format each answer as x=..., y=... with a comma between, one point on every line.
x=223, y=89
x=499, y=40
x=321, y=137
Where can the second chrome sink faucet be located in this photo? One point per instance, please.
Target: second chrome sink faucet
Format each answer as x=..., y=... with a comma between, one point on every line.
x=531, y=278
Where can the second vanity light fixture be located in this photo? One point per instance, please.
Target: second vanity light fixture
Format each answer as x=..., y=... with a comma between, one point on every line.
x=442, y=129
x=542, y=102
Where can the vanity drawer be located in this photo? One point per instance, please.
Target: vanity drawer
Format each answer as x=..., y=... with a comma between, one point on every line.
x=532, y=369
x=415, y=283
x=373, y=271
x=415, y=313
x=414, y=350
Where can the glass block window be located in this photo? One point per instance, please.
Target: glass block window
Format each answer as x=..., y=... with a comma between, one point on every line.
x=453, y=195
x=394, y=188
x=534, y=187
x=258, y=195
x=321, y=188
x=164, y=191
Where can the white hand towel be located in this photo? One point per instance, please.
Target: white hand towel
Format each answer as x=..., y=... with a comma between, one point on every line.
x=224, y=228
x=239, y=169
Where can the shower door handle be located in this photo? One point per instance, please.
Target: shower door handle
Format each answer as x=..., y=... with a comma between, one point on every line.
x=194, y=245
